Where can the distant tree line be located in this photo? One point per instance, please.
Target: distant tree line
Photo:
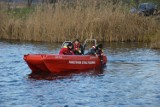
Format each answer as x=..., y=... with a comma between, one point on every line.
x=29, y=2
x=135, y=2
x=43, y=1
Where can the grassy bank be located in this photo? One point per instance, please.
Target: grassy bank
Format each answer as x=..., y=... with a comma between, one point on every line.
x=84, y=19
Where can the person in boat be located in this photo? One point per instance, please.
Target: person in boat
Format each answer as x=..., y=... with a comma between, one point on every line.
x=99, y=50
x=96, y=50
x=92, y=51
x=78, y=48
x=67, y=50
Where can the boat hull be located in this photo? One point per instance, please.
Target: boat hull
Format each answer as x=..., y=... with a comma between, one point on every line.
x=35, y=62
x=63, y=63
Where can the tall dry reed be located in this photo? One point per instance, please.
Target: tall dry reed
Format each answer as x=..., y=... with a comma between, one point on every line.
x=155, y=41
x=82, y=19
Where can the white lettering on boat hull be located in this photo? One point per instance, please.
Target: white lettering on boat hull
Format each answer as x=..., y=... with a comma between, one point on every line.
x=82, y=62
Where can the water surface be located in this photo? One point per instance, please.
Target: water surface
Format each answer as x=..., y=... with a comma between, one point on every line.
x=130, y=79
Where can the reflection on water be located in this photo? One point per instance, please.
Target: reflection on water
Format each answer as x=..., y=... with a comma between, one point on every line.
x=64, y=75
x=130, y=79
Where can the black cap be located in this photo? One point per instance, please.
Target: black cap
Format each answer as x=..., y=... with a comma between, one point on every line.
x=69, y=44
x=100, y=46
x=77, y=40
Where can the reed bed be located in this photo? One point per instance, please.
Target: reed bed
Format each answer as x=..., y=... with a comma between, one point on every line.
x=155, y=41
x=82, y=19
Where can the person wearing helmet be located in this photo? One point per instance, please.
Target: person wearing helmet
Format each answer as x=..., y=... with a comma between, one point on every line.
x=68, y=50
x=78, y=48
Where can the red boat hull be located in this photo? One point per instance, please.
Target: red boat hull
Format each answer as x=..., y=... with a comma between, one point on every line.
x=63, y=63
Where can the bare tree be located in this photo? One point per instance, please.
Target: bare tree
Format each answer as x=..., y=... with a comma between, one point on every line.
x=136, y=2
x=43, y=1
x=49, y=1
x=29, y=3
x=115, y=1
x=52, y=1
x=9, y=4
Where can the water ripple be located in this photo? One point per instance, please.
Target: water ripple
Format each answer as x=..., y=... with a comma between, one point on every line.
x=130, y=79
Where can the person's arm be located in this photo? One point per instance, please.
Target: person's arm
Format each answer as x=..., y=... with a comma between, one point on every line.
x=82, y=49
x=62, y=51
x=72, y=52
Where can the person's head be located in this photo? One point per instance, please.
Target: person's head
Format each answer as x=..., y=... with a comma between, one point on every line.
x=99, y=47
x=76, y=41
x=93, y=47
x=69, y=45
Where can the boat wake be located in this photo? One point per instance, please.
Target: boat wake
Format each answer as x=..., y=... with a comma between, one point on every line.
x=135, y=60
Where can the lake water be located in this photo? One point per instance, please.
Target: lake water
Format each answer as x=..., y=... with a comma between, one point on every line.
x=130, y=79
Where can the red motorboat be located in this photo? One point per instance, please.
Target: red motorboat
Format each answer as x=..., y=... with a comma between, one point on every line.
x=56, y=63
